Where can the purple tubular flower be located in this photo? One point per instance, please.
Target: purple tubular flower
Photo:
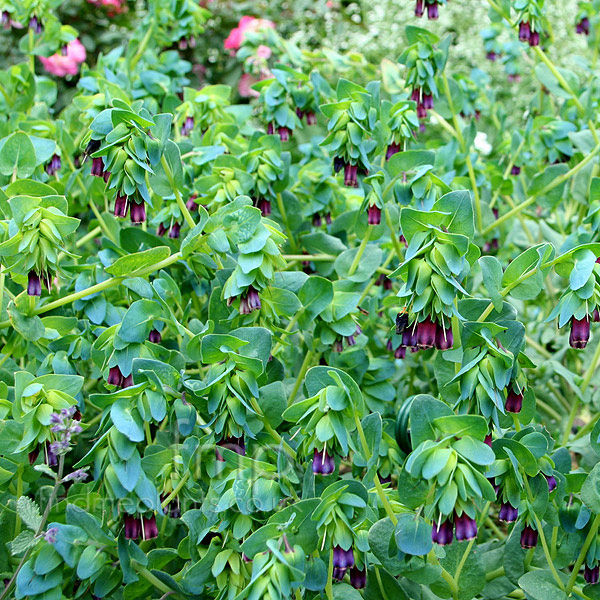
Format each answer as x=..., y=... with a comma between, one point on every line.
x=115, y=377
x=524, y=31
x=552, y=485
x=591, y=574
x=374, y=215
x=514, y=402
x=444, y=339
x=583, y=28
x=338, y=164
x=421, y=111
x=284, y=133
x=311, y=118
x=250, y=301
x=596, y=315
x=54, y=165
x=175, y=230
x=529, y=537
x=392, y=149
x=323, y=463
x=34, y=284
x=515, y=170
x=443, y=534
x=270, y=129
x=466, y=528
x=409, y=336
x=432, y=11
x=191, y=204
x=265, y=207
x=426, y=333
x=508, y=513
x=161, y=230
x=358, y=578
x=350, y=340
x=155, y=337
x=488, y=440
x=121, y=205
x=188, y=126
x=316, y=220
x=234, y=444
x=149, y=528
x=428, y=101
x=400, y=352
x=137, y=213
x=534, y=38
x=419, y=10
x=491, y=56
x=338, y=573
x=127, y=381
x=350, y=173
x=133, y=527
x=343, y=559
x=580, y=332
x=5, y=19
x=36, y=25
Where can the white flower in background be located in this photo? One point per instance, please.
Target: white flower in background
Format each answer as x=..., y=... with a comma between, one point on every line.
x=481, y=143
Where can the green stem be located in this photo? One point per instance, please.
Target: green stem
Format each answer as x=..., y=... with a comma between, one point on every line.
x=394, y=235
x=142, y=47
x=269, y=428
x=591, y=369
x=361, y=250
x=305, y=364
x=176, y=490
x=570, y=420
x=554, y=183
x=371, y=283
x=283, y=214
x=329, y=585
x=286, y=331
x=182, y=207
x=586, y=544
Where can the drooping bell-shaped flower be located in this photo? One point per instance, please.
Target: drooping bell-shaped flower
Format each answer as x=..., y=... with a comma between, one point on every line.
x=34, y=284
x=115, y=377
x=358, y=578
x=580, y=332
x=235, y=444
x=524, y=31
x=36, y=24
x=343, y=559
x=552, y=485
x=374, y=215
x=137, y=211
x=466, y=527
x=591, y=574
x=426, y=331
x=392, y=149
x=191, y=204
x=433, y=11
x=508, y=513
x=155, y=336
x=529, y=537
x=133, y=527
x=350, y=175
x=250, y=301
x=419, y=8
x=323, y=463
x=149, y=528
x=175, y=230
x=583, y=27
x=54, y=165
x=121, y=205
x=514, y=402
x=284, y=133
x=311, y=118
x=444, y=339
x=188, y=126
x=444, y=534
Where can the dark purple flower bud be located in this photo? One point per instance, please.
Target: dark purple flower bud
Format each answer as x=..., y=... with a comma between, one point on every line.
x=133, y=527
x=299, y=113
x=34, y=284
x=491, y=56
x=466, y=528
x=173, y=509
x=115, y=377
x=443, y=534
x=508, y=513
x=529, y=537
x=137, y=212
x=33, y=455
x=583, y=28
x=175, y=230
x=350, y=340
x=580, y=332
x=488, y=440
x=121, y=205
x=350, y=172
x=534, y=39
x=154, y=336
x=358, y=578
x=444, y=338
x=311, y=118
x=265, y=207
x=374, y=215
x=338, y=164
x=270, y=129
x=127, y=381
x=400, y=352
x=149, y=528
x=419, y=10
x=337, y=346
x=234, y=444
x=36, y=25
x=591, y=574
x=5, y=19
x=338, y=573
x=188, y=126
x=191, y=204
x=409, y=336
x=343, y=559
x=426, y=333
x=316, y=220
x=524, y=31
x=328, y=218
x=54, y=165
x=552, y=485
x=432, y=11
x=323, y=463
x=284, y=133
x=428, y=101
x=250, y=301
x=183, y=43
x=161, y=230
x=514, y=402
x=421, y=111
x=392, y=149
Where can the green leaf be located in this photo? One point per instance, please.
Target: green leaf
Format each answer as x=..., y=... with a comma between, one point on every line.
x=590, y=491
x=133, y=263
x=31, y=328
x=127, y=420
x=583, y=267
x=25, y=540
x=541, y=585
x=413, y=535
x=17, y=156
x=424, y=410
x=316, y=294
x=138, y=321
x=492, y=273
x=367, y=265
x=29, y=512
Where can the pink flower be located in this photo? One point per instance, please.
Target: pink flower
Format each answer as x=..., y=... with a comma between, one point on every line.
x=264, y=52
x=113, y=6
x=245, y=86
x=60, y=65
x=236, y=36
